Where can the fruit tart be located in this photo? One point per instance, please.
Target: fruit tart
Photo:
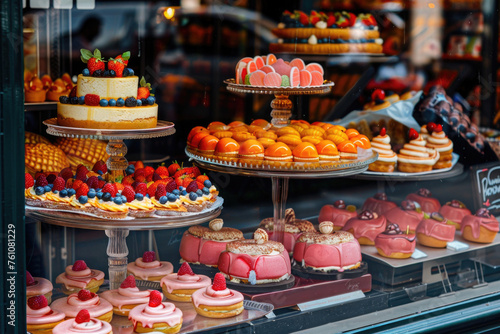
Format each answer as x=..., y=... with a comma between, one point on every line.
x=83, y=324
x=98, y=308
x=454, y=211
x=366, y=226
x=78, y=277
x=482, y=227
x=180, y=286
x=38, y=286
x=394, y=243
x=148, y=268
x=40, y=318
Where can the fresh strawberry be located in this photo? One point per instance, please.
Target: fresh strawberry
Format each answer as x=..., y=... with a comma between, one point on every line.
x=66, y=173
x=141, y=188
x=413, y=134
x=156, y=177
x=378, y=94
x=352, y=19
x=83, y=190
x=93, y=182
x=128, y=282
x=92, y=100
x=144, y=89
x=439, y=128
x=155, y=298
x=59, y=184
x=73, y=92
x=148, y=170
x=29, y=279
x=37, y=174
x=219, y=282
x=148, y=256
x=79, y=265
x=315, y=19
x=173, y=168
x=101, y=184
x=152, y=189
x=185, y=269
x=129, y=193
x=51, y=178
x=200, y=185
x=116, y=65
x=69, y=183
x=192, y=172
x=193, y=186
x=139, y=172
x=128, y=180
x=41, y=181
x=202, y=178
x=100, y=166
x=124, y=57
x=382, y=132
x=186, y=181
x=118, y=186
x=82, y=317
x=28, y=181
x=171, y=186
x=303, y=18
x=160, y=191
x=342, y=21
x=84, y=295
x=331, y=20
x=37, y=302
x=76, y=184
x=109, y=188
x=138, y=164
x=431, y=127
x=162, y=171
x=93, y=60
x=81, y=167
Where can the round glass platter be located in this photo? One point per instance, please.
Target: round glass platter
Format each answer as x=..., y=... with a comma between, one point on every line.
x=340, y=169
x=162, y=129
x=232, y=86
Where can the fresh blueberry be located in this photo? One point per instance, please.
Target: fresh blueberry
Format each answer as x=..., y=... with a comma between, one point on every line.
x=50, y=186
x=97, y=73
x=199, y=192
x=86, y=72
x=55, y=192
x=163, y=199
x=92, y=193
x=207, y=183
x=73, y=100
x=100, y=172
x=193, y=196
x=171, y=198
x=71, y=192
x=130, y=102
x=181, y=188
x=184, y=193
x=176, y=192
x=124, y=199
x=206, y=191
x=100, y=178
x=46, y=189
x=139, y=197
x=112, y=73
x=63, y=193
x=130, y=72
x=112, y=102
x=144, y=102
x=103, y=103
x=39, y=191
x=99, y=194
x=147, y=195
x=151, y=100
x=120, y=102
x=81, y=100
x=106, y=197
x=125, y=72
x=106, y=74
x=118, y=200
x=83, y=199
x=64, y=99
x=139, y=103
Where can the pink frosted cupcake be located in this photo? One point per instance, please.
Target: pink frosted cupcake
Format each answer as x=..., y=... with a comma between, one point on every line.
x=126, y=297
x=434, y=232
x=97, y=307
x=78, y=277
x=83, y=324
x=181, y=286
x=36, y=286
x=148, y=268
x=156, y=316
x=40, y=318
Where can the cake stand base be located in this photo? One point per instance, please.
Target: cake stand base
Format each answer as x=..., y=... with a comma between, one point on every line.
x=262, y=288
x=309, y=273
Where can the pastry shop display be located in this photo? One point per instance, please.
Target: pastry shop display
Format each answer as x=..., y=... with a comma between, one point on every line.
x=408, y=215
x=108, y=96
x=387, y=158
x=435, y=232
x=379, y=100
x=454, y=211
x=78, y=276
x=36, y=286
x=59, y=87
x=424, y=197
x=327, y=33
x=83, y=324
x=437, y=140
x=84, y=300
x=255, y=261
x=294, y=228
x=482, y=227
x=218, y=301
x=203, y=245
x=366, y=226
x=269, y=71
x=328, y=250
x=378, y=204
x=415, y=157
x=148, y=268
x=40, y=318
x=181, y=285
x=338, y=213
x=156, y=316
x=394, y=243
x=126, y=297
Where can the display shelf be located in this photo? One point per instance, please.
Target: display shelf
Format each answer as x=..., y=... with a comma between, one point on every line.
x=343, y=58
x=41, y=106
x=456, y=170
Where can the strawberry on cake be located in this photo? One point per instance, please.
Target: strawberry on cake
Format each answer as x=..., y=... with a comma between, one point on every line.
x=38, y=286
x=40, y=318
x=183, y=284
x=78, y=277
x=83, y=324
x=74, y=303
x=148, y=268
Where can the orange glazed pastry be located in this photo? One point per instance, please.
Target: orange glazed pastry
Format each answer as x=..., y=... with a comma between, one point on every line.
x=266, y=134
x=34, y=90
x=312, y=139
x=40, y=318
x=287, y=130
x=196, y=139
x=386, y=156
x=361, y=141
x=235, y=124
x=434, y=232
x=348, y=151
x=223, y=134
x=266, y=142
x=242, y=136
x=227, y=149
x=217, y=126
x=79, y=276
x=290, y=140
x=262, y=123
x=207, y=145
x=327, y=151
x=394, y=243
x=277, y=154
x=454, y=212
x=194, y=131
x=441, y=143
x=252, y=152
x=36, y=286
x=305, y=152
x=481, y=227
x=415, y=157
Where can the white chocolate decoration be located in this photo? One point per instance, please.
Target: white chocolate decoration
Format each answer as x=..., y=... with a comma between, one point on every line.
x=321, y=25
x=260, y=236
x=216, y=224
x=313, y=40
x=326, y=227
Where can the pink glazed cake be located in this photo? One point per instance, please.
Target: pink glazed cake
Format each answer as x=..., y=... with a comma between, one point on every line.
x=83, y=324
x=434, y=232
x=97, y=307
x=407, y=216
x=454, y=212
x=202, y=245
x=148, y=268
x=40, y=318
x=378, y=204
x=338, y=213
x=255, y=261
x=394, y=243
x=366, y=226
x=38, y=286
x=424, y=198
x=482, y=227
x=79, y=276
x=180, y=286
x=329, y=250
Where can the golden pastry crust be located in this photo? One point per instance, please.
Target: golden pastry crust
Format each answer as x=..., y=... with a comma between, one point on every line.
x=332, y=33
x=93, y=286
x=430, y=241
x=395, y=255
x=380, y=106
x=225, y=233
x=125, y=309
x=326, y=48
x=382, y=166
x=162, y=327
x=251, y=247
x=107, y=317
x=42, y=328
x=143, y=123
x=485, y=236
x=182, y=295
x=215, y=311
x=413, y=168
x=335, y=238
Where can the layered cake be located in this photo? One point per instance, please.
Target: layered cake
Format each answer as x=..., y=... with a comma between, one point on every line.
x=202, y=245
x=329, y=250
x=408, y=215
x=108, y=98
x=338, y=213
x=255, y=261
x=415, y=157
x=394, y=243
x=366, y=226
x=434, y=232
x=482, y=227
x=378, y=204
x=339, y=32
x=454, y=211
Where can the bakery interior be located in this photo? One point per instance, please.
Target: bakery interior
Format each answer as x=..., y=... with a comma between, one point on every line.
x=443, y=52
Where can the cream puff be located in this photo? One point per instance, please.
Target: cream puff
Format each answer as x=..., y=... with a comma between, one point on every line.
x=38, y=286
x=217, y=301
x=84, y=299
x=40, y=318
x=83, y=324
x=180, y=286
x=148, y=268
x=78, y=277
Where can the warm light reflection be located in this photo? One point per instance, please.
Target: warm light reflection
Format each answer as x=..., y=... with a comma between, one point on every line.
x=431, y=5
x=169, y=13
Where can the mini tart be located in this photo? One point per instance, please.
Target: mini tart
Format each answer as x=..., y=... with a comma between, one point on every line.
x=227, y=149
x=242, y=136
x=217, y=304
x=251, y=151
x=395, y=244
x=278, y=154
x=194, y=131
x=327, y=151
x=434, y=233
x=94, y=326
x=348, y=151
x=287, y=130
x=143, y=208
x=266, y=134
x=98, y=308
x=223, y=134
x=181, y=287
x=305, y=152
x=262, y=123
x=43, y=320
x=107, y=209
x=149, y=271
x=165, y=318
x=35, y=96
x=481, y=227
x=291, y=140
x=195, y=141
x=207, y=145
x=266, y=142
x=125, y=299
x=41, y=286
x=454, y=212
x=217, y=126
x=74, y=281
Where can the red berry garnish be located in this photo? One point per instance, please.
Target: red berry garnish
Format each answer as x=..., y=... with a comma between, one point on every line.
x=160, y=191
x=439, y=128
x=382, y=132
x=129, y=193
x=142, y=188
x=129, y=282
x=185, y=269
x=109, y=188
x=51, y=178
x=28, y=181
x=59, y=184
x=92, y=100
x=431, y=127
x=219, y=282
x=83, y=190
x=148, y=256
x=73, y=92
x=193, y=186
x=378, y=94
x=93, y=182
x=155, y=298
x=37, y=302
x=41, y=181
x=82, y=316
x=85, y=295
x=29, y=279
x=66, y=173
x=171, y=186
x=100, y=166
x=79, y=265
x=413, y=134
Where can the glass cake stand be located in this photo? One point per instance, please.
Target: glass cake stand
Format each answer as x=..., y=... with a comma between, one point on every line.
x=282, y=105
